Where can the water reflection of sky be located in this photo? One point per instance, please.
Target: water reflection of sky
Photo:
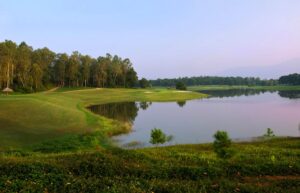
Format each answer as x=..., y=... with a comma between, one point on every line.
x=197, y=120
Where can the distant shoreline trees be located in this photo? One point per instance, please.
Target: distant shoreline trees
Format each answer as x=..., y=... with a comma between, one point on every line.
x=214, y=80
x=25, y=69
x=291, y=79
x=144, y=83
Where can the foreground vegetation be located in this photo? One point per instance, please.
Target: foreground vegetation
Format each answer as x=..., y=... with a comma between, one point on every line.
x=269, y=166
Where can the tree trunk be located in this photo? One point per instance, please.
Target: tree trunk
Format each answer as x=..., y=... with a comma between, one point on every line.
x=8, y=78
x=12, y=74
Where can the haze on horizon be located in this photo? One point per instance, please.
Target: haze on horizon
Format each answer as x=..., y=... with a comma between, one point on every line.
x=169, y=38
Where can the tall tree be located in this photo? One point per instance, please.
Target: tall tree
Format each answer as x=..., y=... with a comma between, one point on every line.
x=72, y=70
x=126, y=65
x=37, y=75
x=131, y=78
x=45, y=59
x=23, y=64
x=100, y=71
x=60, y=69
x=86, y=62
x=8, y=51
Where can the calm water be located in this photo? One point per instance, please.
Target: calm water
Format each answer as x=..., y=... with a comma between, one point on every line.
x=243, y=114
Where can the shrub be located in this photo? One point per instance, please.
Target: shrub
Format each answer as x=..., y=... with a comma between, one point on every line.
x=180, y=86
x=269, y=133
x=222, y=145
x=159, y=137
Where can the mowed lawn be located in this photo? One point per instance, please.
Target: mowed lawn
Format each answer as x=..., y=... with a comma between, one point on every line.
x=26, y=119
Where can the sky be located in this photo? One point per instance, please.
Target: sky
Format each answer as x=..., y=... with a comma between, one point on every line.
x=162, y=38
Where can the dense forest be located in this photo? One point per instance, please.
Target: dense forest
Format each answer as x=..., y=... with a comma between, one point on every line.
x=25, y=69
x=292, y=79
x=214, y=80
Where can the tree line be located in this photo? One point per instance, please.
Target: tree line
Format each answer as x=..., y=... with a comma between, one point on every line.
x=291, y=79
x=25, y=69
x=213, y=80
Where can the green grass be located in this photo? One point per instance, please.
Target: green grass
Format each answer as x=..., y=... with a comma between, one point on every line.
x=33, y=118
x=268, y=166
x=52, y=143
x=228, y=87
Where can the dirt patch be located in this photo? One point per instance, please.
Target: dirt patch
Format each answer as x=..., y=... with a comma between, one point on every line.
x=52, y=90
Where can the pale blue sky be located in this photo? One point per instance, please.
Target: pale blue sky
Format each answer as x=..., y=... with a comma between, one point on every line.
x=163, y=38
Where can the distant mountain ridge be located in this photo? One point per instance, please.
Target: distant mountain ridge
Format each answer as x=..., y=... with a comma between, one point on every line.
x=265, y=72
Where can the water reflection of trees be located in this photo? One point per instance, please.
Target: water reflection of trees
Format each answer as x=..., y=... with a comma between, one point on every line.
x=291, y=94
x=145, y=105
x=124, y=111
x=181, y=103
x=233, y=92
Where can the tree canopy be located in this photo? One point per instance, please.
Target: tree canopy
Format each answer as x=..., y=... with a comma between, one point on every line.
x=144, y=83
x=25, y=69
x=291, y=79
x=180, y=86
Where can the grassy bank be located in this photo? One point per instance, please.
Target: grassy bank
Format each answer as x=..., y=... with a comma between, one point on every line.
x=34, y=118
x=270, y=166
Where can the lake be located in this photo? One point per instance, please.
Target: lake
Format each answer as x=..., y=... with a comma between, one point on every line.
x=244, y=114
